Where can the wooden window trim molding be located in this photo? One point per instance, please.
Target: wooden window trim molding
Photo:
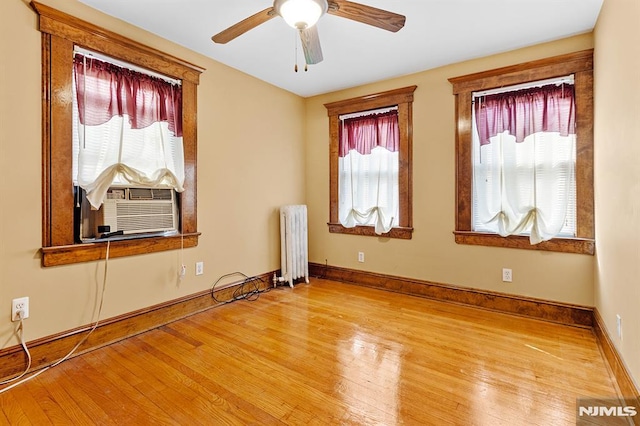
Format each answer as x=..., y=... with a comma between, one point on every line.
x=565, y=245
x=581, y=65
x=403, y=98
x=60, y=33
x=397, y=232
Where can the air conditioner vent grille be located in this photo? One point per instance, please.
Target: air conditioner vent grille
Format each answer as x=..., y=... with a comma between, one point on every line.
x=134, y=216
x=135, y=223
x=143, y=209
x=150, y=194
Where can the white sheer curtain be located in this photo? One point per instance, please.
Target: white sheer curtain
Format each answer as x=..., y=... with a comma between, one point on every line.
x=368, y=188
x=110, y=150
x=368, y=171
x=115, y=154
x=525, y=187
x=524, y=146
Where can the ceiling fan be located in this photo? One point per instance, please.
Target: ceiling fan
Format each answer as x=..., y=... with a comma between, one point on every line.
x=303, y=15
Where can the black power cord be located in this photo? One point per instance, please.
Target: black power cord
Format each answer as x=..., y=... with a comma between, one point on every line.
x=249, y=289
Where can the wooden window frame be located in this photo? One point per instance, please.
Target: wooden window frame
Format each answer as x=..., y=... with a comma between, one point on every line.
x=60, y=33
x=403, y=99
x=580, y=64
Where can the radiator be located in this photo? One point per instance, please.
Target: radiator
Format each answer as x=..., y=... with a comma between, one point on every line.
x=294, y=247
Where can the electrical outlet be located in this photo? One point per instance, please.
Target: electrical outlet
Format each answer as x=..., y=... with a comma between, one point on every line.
x=199, y=268
x=361, y=257
x=20, y=304
x=619, y=326
x=507, y=275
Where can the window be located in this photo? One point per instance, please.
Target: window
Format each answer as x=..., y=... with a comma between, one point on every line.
x=382, y=161
x=368, y=167
x=127, y=127
x=533, y=176
x=61, y=34
x=523, y=144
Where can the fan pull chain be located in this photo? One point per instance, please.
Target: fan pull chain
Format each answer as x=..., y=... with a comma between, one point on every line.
x=295, y=43
x=295, y=67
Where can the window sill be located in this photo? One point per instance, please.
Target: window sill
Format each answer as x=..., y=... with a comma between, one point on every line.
x=563, y=245
x=398, y=232
x=76, y=253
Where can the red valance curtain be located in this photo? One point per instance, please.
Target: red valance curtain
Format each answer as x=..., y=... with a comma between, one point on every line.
x=369, y=131
x=549, y=108
x=115, y=91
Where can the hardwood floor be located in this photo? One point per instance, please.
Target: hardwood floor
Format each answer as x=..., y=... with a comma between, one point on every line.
x=326, y=353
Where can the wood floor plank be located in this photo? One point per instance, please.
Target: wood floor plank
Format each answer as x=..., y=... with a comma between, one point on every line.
x=58, y=377
x=52, y=408
x=30, y=407
x=252, y=386
x=12, y=412
x=114, y=400
x=154, y=413
x=76, y=413
x=227, y=403
x=178, y=391
x=327, y=353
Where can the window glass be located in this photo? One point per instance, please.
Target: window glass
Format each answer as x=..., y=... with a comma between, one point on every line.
x=127, y=128
x=368, y=165
x=525, y=186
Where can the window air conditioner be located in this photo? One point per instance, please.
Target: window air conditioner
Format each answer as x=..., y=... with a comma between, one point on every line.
x=136, y=210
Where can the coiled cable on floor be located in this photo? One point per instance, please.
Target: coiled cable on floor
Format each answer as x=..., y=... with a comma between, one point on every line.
x=249, y=288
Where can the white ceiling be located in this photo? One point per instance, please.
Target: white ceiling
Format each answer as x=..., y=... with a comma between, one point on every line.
x=436, y=33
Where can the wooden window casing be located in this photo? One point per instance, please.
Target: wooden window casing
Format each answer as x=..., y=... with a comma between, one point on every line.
x=580, y=64
x=403, y=99
x=60, y=33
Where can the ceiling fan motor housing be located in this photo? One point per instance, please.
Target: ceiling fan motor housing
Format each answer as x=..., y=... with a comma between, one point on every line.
x=300, y=14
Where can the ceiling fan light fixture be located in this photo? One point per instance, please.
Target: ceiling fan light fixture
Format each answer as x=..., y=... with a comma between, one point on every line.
x=300, y=14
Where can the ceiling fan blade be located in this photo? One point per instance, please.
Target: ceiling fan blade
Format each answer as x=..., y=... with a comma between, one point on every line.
x=311, y=45
x=367, y=15
x=244, y=26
